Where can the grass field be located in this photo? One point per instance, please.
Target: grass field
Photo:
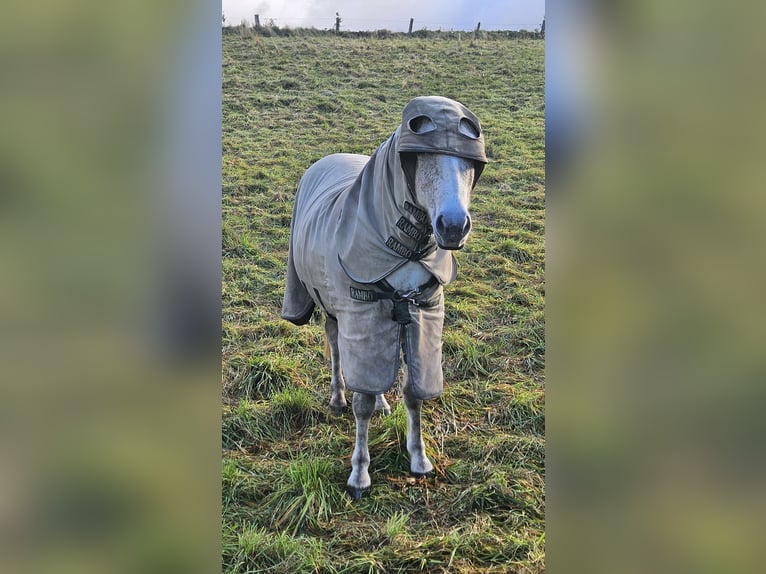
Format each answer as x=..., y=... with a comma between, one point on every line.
x=286, y=103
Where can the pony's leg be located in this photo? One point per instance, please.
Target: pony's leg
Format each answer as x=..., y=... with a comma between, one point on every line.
x=419, y=464
x=381, y=405
x=337, y=384
x=359, y=481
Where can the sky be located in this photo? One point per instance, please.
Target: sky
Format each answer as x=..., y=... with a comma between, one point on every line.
x=392, y=15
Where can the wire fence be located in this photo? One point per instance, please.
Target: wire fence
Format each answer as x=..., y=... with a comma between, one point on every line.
x=351, y=25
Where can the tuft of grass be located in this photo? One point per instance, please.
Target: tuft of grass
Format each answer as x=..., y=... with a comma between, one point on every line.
x=492, y=494
x=529, y=341
x=294, y=408
x=231, y=479
x=519, y=254
x=463, y=356
x=396, y=525
x=249, y=423
x=261, y=376
x=306, y=496
x=258, y=550
x=522, y=412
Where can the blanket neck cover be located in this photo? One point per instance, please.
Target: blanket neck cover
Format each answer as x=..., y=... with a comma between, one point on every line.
x=382, y=226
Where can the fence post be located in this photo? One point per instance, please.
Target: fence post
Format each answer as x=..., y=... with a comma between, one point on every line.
x=478, y=26
x=337, y=22
x=257, y=22
x=410, y=30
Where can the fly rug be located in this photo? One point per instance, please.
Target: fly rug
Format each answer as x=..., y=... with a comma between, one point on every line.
x=371, y=244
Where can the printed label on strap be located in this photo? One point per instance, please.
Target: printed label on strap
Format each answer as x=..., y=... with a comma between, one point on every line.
x=363, y=295
x=411, y=230
x=398, y=247
x=419, y=215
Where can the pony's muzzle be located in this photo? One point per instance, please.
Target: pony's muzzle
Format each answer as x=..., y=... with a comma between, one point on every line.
x=451, y=230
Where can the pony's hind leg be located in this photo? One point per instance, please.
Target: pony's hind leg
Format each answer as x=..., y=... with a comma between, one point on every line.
x=381, y=405
x=337, y=384
x=359, y=481
x=420, y=466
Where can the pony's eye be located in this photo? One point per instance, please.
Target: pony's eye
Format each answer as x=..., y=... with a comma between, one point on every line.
x=469, y=129
x=421, y=125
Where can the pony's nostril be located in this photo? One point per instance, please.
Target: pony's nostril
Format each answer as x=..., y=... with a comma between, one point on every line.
x=440, y=226
x=467, y=225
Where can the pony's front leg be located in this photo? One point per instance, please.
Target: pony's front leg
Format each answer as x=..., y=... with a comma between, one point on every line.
x=359, y=481
x=337, y=384
x=420, y=466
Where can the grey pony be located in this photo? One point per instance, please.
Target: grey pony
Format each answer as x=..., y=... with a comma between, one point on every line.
x=358, y=221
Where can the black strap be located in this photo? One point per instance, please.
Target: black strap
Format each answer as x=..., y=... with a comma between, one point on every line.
x=420, y=215
x=424, y=243
x=410, y=254
x=413, y=231
x=388, y=292
x=401, y=312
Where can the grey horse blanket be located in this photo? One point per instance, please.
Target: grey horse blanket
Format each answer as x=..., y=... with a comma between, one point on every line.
x=356, y=220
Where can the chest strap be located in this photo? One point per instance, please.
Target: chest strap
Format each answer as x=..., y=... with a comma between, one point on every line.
x=401, y=300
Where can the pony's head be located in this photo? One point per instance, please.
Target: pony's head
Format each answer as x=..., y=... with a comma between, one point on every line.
x=441, y=148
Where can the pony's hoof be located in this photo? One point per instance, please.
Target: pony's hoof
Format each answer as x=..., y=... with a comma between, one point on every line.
x=429, y=474
x=337, y=411
x=357, y=493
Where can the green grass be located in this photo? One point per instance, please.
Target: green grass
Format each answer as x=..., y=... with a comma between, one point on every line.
x=287, y=102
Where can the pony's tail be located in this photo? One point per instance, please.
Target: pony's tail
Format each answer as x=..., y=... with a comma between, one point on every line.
x=327, y=354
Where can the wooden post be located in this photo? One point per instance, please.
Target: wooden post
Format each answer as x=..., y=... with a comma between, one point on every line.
x=412, y=20
x=257, y=22
x=337, y=22
x=478, y=26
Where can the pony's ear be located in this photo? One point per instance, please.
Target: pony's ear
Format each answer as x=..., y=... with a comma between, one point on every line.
x=469, y=129
x=421, y=125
